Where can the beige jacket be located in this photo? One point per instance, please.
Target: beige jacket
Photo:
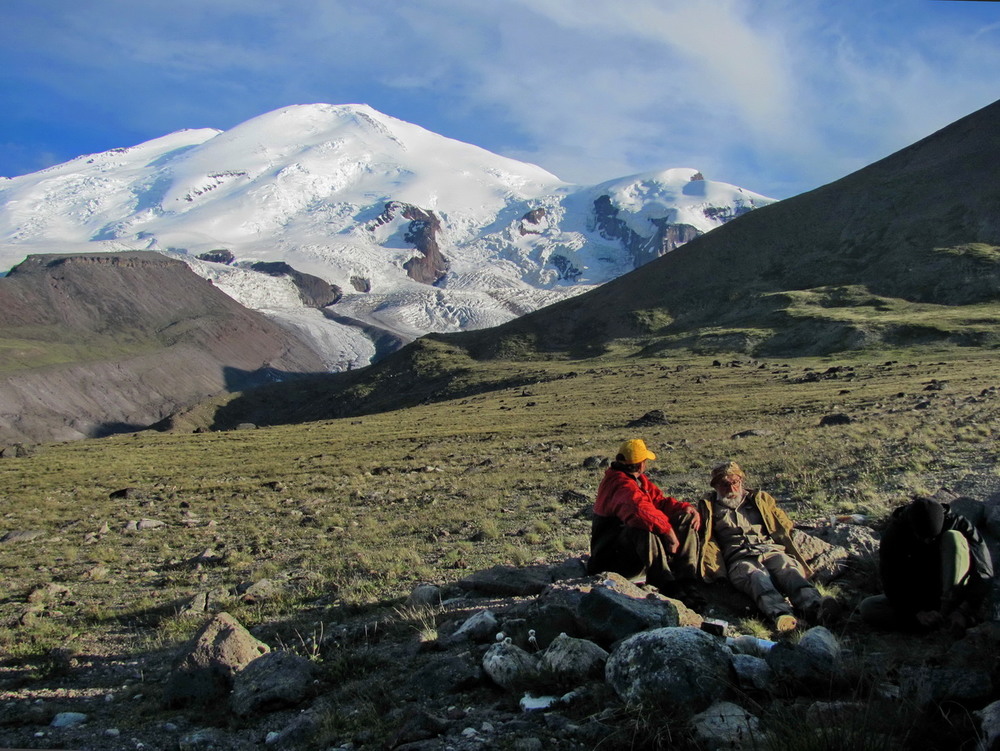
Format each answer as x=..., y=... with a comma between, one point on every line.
x=711, y=565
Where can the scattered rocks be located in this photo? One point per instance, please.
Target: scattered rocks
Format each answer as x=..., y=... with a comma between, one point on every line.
x=17, y=451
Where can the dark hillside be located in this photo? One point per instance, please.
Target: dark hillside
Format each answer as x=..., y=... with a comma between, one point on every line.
x=901, y=253
x=888, y=253
x=94, y=344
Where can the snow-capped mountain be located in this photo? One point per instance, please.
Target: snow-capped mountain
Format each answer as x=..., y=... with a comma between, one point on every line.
x=356, y=228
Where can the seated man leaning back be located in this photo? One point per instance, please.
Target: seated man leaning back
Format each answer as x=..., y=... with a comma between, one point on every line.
x=749, y=539
x=637, y=528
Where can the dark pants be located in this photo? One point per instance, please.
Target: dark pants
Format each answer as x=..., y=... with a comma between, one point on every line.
x=629, y=551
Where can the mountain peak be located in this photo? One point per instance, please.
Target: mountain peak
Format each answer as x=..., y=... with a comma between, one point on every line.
x=477, y=239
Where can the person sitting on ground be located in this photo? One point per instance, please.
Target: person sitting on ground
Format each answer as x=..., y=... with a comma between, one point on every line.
x=935, y=570
x=637, y=528
x=746, y=537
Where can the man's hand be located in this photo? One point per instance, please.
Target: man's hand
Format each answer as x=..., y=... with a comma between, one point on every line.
x=696, y=522
x=671, y=541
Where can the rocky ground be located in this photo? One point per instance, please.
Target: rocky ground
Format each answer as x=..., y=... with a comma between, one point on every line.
x=435, y=672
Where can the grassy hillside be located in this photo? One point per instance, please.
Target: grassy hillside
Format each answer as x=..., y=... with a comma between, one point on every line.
x=361, y=509
x=346, y=516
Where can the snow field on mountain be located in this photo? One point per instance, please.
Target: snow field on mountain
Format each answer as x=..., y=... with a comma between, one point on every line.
x=306, y=185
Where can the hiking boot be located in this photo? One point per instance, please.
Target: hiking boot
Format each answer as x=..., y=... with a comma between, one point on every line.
x=785, y=623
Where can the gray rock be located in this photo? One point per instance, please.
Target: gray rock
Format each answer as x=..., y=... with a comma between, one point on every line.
x=447, y=673
x=272, y=681
x=260, y=591
x=972, y=509
x=838, y=418
x=545, y=618
x=571, y=660
x=752, y=433
x=753, y=673
x=676, y=669
x=482, y=627
x=68, y=719
x=835, y=713
x=417, y=725
x=572, y=568
x=22, y=535
x=206, y=738
x=204, y=672
x=425, y=595
x=826, y=560
x=989, y=724
x=509, y=666
x=930, y=685
x=809, y=666
x=820, y=643
x=725, y=725
x=509, y=581
x=611, y=615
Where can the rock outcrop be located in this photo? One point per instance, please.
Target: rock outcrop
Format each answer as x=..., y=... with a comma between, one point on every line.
x=422, y=233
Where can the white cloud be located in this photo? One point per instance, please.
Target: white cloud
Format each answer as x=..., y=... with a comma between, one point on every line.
x=776, y=95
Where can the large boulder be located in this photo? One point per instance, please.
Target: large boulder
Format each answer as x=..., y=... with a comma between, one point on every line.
x=812, y=665
x=510, y=667
x=273, y=681
x=611, y=615
x=204, y=672
x=725, y=725
x=568, y=660
x=679, y=670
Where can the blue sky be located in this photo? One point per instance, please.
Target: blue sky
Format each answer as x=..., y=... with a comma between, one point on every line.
x=778, y=96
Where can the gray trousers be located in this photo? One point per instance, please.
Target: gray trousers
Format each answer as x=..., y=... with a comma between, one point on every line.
x=771, y=577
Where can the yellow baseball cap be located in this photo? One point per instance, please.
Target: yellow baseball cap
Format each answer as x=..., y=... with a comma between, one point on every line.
x=635, y=451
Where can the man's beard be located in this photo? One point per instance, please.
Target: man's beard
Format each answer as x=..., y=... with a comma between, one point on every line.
x=730, y=500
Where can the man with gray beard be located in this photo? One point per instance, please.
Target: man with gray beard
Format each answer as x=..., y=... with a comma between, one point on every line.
x=747, y=539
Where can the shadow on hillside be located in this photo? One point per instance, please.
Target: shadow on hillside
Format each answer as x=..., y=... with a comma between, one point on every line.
x=236, y=380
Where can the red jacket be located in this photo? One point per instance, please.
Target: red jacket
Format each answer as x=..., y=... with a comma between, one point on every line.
x=638, y=502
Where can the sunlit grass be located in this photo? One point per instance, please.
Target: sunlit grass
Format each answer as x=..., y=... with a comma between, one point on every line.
x=357, y=511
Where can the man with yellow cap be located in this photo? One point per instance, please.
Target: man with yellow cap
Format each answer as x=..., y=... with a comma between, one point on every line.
x=748, y=539
x=638, y=528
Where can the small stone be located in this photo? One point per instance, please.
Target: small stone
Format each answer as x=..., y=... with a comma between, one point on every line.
x=68, y=719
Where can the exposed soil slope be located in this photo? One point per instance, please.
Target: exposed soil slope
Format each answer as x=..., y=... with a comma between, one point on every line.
x=101, y=343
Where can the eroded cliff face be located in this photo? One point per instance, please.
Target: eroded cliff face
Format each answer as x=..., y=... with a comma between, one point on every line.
x=422, y=232
x=104, y=343
x=666, y=236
